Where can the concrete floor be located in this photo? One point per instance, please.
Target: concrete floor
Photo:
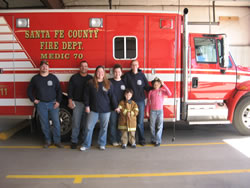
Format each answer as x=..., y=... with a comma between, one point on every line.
x=198, y=158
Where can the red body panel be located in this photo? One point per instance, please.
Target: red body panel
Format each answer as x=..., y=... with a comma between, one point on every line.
x=65, y=38
x=232, y=102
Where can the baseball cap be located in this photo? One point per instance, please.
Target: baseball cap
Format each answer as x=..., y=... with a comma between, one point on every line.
x=44, y=62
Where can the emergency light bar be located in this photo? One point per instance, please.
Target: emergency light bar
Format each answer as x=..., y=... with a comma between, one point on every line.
x=95, y=22
x=22, y=22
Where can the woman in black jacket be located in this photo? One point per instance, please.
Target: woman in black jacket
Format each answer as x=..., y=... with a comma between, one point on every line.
x=99, y=100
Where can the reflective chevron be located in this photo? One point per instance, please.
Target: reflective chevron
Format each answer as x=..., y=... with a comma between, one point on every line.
x=12, y=53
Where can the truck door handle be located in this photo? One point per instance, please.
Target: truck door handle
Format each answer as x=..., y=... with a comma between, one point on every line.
x=194, y=82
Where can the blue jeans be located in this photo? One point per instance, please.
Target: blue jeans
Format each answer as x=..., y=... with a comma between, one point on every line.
x=140, y=121
x=113, y=124
x=92, y=118
x=78, y=121
x=45, y=111
x=156, y=121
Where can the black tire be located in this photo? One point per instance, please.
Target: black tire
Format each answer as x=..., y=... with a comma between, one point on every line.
x=241, y=119
x=65, y=117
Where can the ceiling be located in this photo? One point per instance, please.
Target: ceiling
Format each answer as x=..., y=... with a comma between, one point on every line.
x=112, y=4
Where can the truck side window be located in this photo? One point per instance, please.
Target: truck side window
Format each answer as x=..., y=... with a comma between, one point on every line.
x=205, y=50
x=119, y=48
x=125, y=47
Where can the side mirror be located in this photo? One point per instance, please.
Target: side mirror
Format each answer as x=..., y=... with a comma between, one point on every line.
x=224, y=52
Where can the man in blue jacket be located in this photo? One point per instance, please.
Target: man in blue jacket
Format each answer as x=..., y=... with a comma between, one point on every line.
x=136, y=80
x=45, y=92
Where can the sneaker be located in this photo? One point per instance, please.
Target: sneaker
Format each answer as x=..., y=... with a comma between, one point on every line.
x=153, y=142
x=59, y=145
x=157, y=144
x=115, y=144
x=73, y=145
x=124, y=146
x=133, y=145
x=46, y=145
x=102, y=148
x=83, y=148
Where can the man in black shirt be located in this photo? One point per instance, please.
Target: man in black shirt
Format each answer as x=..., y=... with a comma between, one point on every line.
x=45, y=92
x=137, y=81
x=77, y=85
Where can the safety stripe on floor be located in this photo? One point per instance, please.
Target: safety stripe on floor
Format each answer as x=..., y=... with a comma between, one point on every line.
x=78, y=178
x=109, y=146
x=7, y=134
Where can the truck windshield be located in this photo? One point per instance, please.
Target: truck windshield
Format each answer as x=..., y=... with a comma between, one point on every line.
x=205, y=50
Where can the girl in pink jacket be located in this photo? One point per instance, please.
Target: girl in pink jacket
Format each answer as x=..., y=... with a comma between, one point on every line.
x=154, y=109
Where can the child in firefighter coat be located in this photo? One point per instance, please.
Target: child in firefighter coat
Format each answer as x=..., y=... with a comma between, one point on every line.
x=127, y=119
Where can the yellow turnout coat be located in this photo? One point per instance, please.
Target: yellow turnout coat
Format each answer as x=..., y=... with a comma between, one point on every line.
x=126, y=122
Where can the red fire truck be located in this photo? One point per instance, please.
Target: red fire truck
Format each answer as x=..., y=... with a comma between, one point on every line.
x=207, y=86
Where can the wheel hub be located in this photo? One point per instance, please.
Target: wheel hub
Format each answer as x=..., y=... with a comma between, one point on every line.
x=246, y=117
x=65, y=121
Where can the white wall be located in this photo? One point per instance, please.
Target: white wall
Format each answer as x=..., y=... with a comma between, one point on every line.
x=241, y=55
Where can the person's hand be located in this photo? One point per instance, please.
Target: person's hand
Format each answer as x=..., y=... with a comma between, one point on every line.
x=147, y=115
x=118, y=110
x=71, y=105
x=36, y=101
x=129, y=115
x=162, y=83
x=87, y=109
x=56, y=105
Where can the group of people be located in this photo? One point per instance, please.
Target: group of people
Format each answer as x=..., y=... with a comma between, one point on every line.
x=118, y=104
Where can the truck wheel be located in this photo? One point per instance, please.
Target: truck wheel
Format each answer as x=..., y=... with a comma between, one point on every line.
x=242, y=117
x=65, y=117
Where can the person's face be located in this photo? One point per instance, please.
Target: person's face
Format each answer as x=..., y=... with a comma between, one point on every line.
x=135, y=66
x=44, y=68
x=128, y=96
x=83, y=68
x=117, y=73
x=100, y=73
x=157, y=85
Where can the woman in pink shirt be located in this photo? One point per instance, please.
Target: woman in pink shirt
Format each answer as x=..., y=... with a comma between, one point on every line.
x=154, y=109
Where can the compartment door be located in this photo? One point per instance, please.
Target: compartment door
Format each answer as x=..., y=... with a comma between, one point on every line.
x=125, y=40
x=163, y=57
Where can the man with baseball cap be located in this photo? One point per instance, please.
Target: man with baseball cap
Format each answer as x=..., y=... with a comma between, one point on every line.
x=45, y=92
